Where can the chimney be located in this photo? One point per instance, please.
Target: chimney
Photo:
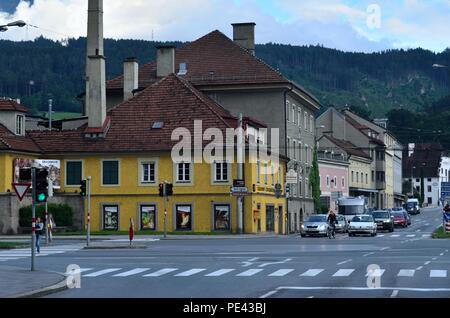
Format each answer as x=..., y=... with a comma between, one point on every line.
x=244, y=35
x=130, y=77
x=95, y=67
x=165, y=60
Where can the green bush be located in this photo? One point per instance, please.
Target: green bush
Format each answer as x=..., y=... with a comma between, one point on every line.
x=62, y=214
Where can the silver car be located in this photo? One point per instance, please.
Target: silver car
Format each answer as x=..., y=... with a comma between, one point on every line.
x=362, y=224
x=342, y=224
x=315, y=225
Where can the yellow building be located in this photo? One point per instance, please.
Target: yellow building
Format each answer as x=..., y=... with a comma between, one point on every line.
x=134, y=155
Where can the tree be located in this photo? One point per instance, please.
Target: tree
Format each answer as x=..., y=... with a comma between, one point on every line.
x=314, y=181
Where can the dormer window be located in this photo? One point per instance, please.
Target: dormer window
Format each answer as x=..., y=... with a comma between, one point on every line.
x=20, y=125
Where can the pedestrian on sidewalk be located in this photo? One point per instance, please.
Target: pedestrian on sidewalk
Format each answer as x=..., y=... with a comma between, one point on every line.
x=51, y=225
x=38, y=232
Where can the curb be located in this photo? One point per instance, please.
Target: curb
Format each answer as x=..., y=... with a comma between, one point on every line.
x=175, y=238
x=110, y=247
x=62, y=285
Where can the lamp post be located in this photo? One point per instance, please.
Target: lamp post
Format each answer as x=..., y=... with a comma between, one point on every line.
x=19, y=23
x=412, y=181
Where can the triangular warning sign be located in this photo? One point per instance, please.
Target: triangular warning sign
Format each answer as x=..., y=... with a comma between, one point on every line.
x=21, y=189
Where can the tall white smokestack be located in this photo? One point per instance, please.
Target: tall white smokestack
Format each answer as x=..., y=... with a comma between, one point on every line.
x=95, y=67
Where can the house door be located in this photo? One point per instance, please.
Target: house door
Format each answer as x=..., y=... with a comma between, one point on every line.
x=270, y=218
x=280, y=219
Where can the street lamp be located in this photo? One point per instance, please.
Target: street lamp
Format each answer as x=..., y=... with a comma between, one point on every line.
x=18, y=23
x=412, y=181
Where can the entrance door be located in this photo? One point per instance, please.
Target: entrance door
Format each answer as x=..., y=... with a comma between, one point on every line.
x=270, y=218
x=280, y=219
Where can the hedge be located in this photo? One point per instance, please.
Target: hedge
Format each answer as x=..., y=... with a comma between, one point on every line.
x=62, y=214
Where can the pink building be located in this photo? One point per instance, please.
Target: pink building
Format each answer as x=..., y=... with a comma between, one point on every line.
x=333, y=171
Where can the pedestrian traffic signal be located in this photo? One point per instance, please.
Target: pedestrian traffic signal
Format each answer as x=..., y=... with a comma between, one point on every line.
x=25, y=175
x=169, y=189
x=161, y=189
x=41, y=191
x=83, y=188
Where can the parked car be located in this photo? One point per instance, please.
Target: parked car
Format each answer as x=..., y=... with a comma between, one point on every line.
x=315, y=225
x=408, y=217
x=400, y=219
x=384, y=220
x=342, y=224
x=362, y=224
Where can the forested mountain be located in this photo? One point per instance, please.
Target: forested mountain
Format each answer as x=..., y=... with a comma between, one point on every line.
x=372, y=84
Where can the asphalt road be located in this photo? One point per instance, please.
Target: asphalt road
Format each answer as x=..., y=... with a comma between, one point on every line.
x=406, y=263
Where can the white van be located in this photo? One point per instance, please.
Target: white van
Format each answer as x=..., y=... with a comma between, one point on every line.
x=351, y=206
x=412, y=206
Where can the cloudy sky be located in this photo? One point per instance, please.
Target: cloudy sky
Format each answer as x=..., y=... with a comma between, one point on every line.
x=350, y=25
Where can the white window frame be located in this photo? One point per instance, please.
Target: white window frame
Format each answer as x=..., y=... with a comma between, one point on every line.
x=141, y=163
x=214, y=170
x=266, y=174
x=294, y=149
x=343, y=182
x=65, y=173
x=311, y=123
x=272, y=168
x=328, y=181
x=118, y=171
x=306, y=154
x=305, y=120
x=191, y=174
x=335, y=182
x=288, y=152
x=294, y=115
x=20, y=125
x=300, y=117
x=258, y=172
x=288, y=111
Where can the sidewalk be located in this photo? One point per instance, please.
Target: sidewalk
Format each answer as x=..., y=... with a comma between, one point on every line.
x=21, y=282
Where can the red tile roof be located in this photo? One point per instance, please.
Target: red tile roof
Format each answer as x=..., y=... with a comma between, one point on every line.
x=11, y=142
x=213, y=59
x=350, y=148
x=11, y=105
x=360, y=127
x=172, y=101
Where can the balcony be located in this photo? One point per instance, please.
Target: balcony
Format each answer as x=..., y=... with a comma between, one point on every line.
x=380, y=165
x=381, y=185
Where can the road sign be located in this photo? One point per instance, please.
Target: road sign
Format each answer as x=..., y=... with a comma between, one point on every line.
x=238, y=183
x=239, y=191
x=445, y=190
x=21, y=189
x=291, y=176
x=447, y=222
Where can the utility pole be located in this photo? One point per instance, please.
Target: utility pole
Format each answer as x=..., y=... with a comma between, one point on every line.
x=33, y=218
x=240, y=172
x=165, y=199
x=50, y=110
x=88, y=238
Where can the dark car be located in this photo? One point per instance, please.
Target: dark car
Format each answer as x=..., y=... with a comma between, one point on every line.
x=384, y=220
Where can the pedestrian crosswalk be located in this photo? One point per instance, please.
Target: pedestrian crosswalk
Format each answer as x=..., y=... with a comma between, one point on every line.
x=406, y=235
x=16, y=254
x=256, y=272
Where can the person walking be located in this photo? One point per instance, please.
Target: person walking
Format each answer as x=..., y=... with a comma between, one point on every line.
x=38, y=232
x=51, y=226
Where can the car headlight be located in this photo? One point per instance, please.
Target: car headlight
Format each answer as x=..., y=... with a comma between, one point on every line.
x=302, y=227
x=322, y=227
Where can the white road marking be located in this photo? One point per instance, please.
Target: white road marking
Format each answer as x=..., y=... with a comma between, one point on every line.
x=269, y=294
x=442, y=254
x=376, y=273
x=427, y=263
x=343, y=273
x=132, y=272
x=191, y=272
x=411, y=235
x=276, y=263
x=385, y=248
x=426, y=235
x=427, y=224
x=406, y=273
x=419, y=268
x=312, y=272
x=395, y=235
x=380, y=235
x=368, y=254
x=394, y=293
x=438, y=273
x=161, y=272
x=102, y=272
x=434, y=258
x=344, y=262
x=249, y=262
x=78, y=271
x=220, y=272
x=281, y=272
x=250, y=272
x=419, y=231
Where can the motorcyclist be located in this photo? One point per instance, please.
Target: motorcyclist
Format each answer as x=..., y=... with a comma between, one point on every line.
x=332, y=220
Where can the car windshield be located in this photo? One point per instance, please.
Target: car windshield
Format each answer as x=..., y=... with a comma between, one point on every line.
x=381, y=215
x=351, y=209
x=363, y=218
x=397, y=209
x=398, y=214
x=317, y=218
x=411, y=205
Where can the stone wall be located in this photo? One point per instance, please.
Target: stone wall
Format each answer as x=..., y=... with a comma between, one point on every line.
x=10, y=205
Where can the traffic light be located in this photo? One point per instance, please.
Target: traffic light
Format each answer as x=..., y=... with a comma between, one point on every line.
x=25, y=175
x=41, y=192
x=161, y=189
x=169, y=189
x=83, y=188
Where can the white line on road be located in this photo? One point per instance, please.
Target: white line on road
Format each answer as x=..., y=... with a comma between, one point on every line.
x=191, y=272
x=161, y=272
x=132, y=272
x=380, y=235
x=276, y=263
x=312, y=272
x=250, y=272
x=442, y=254
x=426, y=235
x=438, y=273
x=385, y=248
x=368, y=254
x=220, y=272
x=394, y=293
x=269, y=294
x=427, y=263
x=406, y=273
x=343, y=273
x=281, y=272
x=428, y=224
x=376, y=273
x=419, y=231
x=102, y=272
x=434, y=258
x=78, y=271
x=419, y=268
x=344, y=262
x=411, y=235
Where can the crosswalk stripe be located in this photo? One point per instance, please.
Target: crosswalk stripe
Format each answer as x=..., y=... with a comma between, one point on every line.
x=220, y=272
x=438, y=273
x=343, y=272
x=426, y=235
x=411, y=235
x=250, y=272
x=132, y=272
x=161, y=272
x=395, y=235
x=380, y=235
x=312, y=272
x=376, y=273
x=406, y=273
x=191, y=272
x=281, y=272
x=78, y=271
x=102, y=272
